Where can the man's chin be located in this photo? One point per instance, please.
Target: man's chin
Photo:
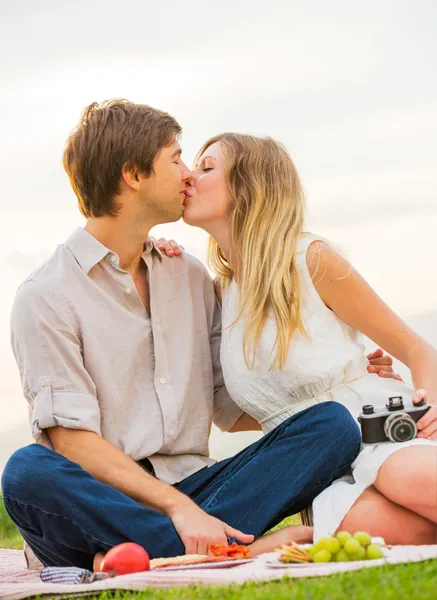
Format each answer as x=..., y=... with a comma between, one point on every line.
x=173, y=216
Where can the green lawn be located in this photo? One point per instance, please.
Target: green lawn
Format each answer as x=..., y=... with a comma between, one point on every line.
x=412, y=582
x=9, y=535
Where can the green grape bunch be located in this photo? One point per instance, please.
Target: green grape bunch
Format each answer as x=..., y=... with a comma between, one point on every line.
x=345, y=547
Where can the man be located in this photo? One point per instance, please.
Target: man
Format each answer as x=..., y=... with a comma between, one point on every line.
x=118, y=350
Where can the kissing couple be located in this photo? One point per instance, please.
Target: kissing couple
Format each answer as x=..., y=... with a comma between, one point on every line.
x=128, y=352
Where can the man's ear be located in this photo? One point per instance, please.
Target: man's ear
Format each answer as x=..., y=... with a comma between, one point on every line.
x=130, y=176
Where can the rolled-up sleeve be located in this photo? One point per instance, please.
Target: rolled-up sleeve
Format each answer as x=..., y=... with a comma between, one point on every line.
x=48, y=351
x=226, y=412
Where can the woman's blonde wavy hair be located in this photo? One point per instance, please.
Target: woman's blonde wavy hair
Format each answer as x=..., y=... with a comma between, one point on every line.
x=266, y=224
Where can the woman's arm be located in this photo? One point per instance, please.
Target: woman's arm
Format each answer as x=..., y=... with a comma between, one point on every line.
x=351, y=298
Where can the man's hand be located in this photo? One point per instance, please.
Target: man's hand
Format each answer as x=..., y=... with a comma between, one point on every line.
x=382, y=364
x=169, y=247
x=198, y=530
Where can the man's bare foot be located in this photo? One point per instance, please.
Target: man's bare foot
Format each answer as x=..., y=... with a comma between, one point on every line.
x=301, y=534
x=98, y=561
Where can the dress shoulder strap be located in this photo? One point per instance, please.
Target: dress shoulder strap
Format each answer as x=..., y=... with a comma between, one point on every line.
x=302, y=248
x=310, y=294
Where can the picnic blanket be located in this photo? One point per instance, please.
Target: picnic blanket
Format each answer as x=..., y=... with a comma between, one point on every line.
x=16, y=582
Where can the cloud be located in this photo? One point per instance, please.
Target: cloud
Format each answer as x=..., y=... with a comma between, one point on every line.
x=364, y=196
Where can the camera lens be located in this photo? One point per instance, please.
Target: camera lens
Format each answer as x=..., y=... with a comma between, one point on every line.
x=400, y=427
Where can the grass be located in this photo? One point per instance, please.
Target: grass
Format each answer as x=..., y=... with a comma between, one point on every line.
x=397, y=582
x=9, y=534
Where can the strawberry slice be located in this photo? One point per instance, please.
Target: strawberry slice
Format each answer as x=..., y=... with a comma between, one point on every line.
x=233, y=550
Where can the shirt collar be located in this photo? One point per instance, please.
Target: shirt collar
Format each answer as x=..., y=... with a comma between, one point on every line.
x=88, y=251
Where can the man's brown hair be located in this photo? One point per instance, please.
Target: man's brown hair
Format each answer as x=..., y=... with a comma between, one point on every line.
x=109, y=135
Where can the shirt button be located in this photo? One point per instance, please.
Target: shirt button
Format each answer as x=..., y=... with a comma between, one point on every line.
x=42, y=382
x=128, y=290
x=113, y=258
x=162, y=380
x=171, y=432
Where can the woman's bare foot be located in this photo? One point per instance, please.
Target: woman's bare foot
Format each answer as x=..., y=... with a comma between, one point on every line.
x=98, y=561
x=300, y=534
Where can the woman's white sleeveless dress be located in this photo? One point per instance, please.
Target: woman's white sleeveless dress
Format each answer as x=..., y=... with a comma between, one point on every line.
x=328, y=365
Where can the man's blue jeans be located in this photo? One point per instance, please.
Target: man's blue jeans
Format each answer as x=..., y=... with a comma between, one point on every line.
x=67, y=516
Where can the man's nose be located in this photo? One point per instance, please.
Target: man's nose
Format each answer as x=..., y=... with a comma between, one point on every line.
x=187, y=175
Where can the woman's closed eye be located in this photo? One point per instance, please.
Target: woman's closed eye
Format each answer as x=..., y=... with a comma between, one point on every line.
x=205, y=169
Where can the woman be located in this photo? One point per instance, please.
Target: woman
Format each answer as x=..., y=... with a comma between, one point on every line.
x=294, y=311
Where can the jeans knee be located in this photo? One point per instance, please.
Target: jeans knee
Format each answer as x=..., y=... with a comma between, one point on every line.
x=342, y=427
x=23, y=470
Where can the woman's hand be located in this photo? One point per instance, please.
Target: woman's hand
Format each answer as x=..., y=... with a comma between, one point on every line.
x=427, y=425
x=169, y=247
x=382, y=365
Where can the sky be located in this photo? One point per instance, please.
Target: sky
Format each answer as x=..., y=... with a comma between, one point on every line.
x=350, y=88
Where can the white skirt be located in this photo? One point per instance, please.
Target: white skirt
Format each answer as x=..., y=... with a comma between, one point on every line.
x=331, y=506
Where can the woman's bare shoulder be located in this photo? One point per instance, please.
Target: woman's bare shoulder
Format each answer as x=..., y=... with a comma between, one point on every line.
x=322, y=259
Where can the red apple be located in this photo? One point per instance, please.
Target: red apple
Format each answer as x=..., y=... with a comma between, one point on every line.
x=125, y=558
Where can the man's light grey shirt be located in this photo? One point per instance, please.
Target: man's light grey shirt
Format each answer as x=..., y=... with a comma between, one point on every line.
x=91, y=358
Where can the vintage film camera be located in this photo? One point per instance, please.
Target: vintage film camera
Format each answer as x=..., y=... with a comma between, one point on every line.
x=396, y=422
